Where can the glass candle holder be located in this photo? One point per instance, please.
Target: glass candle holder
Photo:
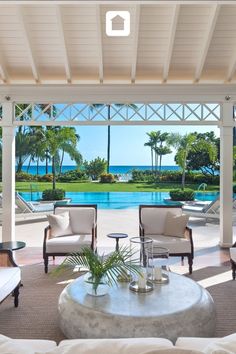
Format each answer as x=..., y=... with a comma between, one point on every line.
x=141, y=248
x=159, y=265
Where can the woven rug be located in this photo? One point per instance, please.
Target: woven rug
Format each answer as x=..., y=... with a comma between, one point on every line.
x=36, y=316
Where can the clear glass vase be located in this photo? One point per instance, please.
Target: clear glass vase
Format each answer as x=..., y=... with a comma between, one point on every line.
x=95, y=286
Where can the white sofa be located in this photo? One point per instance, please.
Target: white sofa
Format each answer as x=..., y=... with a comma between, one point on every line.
x=226, y=345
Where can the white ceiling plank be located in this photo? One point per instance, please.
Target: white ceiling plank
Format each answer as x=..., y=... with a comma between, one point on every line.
x=99, y=45
x=63, y=43
x=207, y=41
x=172, y=32
x=28, y=44
x=135, y=43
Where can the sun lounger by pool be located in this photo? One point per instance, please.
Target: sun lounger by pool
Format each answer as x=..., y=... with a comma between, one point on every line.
x=208, y=211
x=24, y=207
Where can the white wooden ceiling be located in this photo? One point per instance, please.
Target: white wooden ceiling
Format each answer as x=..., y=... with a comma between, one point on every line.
x=169, y=43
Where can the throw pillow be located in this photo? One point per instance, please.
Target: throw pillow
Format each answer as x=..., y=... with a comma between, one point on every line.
x=225, y=345
x=60, y=224
x=175, y=225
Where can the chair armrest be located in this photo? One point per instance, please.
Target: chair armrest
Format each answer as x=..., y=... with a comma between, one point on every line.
x=6, y=259
x=141, y=229
x=189, y=235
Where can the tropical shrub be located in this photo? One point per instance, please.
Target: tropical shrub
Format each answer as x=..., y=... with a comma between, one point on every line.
x=95, y=168
x=25, y=177
x=179, y=194
x=53, y=194
x=107, y=178
x=45, y=178
x=74, y=175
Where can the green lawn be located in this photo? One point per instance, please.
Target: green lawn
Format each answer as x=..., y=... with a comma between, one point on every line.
x=106, y=187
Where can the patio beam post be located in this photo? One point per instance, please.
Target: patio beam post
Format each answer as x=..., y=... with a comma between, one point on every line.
x=8, y=173
x=226, y=175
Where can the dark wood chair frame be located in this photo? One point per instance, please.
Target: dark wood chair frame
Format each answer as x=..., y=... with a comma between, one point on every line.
x=233, y=265
x=47, y=233
x=188, y=235
x=9, y=262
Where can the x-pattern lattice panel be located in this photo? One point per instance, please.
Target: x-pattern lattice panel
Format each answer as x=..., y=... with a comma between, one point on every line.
x=79, y=112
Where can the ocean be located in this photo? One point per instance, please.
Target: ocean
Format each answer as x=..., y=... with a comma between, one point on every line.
x=113, y=169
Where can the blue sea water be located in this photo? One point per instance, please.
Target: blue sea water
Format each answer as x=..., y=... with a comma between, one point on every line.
x=113, y=169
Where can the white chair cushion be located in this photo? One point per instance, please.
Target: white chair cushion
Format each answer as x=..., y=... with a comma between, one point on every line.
x=173, y=244
x=172, y=351
x=81, y=219
x=9, y=279
x=24, y=346
x=111, y=346
x=233, y=253
x=153, y=219
x=60, y=224
x=175, y=225
x=197, y=343
x=68, y=244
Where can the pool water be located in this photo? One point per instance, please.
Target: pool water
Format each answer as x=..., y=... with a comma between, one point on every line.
x=119, y=200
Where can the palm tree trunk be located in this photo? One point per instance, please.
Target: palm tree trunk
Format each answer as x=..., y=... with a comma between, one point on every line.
x=28, y=167
x=19, y=165
x=108, y=139
x=152, y=157
x=46, y=161
x=37, y=170
x=183, y=179
x=53, y=173
x=62, y=158
x=160, y=163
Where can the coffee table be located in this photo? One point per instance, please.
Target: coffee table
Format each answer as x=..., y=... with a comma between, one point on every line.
x=179, y=308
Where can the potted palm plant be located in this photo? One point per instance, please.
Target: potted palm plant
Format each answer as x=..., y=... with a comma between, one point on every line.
x=104, y=270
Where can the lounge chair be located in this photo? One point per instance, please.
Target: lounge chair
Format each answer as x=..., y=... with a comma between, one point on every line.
x=24, y=207
x=209, y=211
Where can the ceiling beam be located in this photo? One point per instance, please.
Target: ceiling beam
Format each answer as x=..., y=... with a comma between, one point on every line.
x=28, y=44
x=63, y=43
x=207, y=41
x=135, y=43
x=99, y=45
x=172, y=33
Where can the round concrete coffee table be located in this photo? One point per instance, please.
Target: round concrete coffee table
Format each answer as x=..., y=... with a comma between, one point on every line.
x=179, y=308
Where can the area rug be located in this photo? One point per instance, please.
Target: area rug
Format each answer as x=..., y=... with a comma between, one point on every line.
x=36, y=316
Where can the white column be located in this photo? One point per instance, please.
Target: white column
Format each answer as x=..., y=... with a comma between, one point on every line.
x=8, y=173
x=226, y=176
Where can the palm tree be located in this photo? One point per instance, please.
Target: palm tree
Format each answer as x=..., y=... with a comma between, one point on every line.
x=118, y=105
x=62, y=139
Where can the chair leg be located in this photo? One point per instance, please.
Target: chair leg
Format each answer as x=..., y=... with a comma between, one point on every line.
x=53, y=257
x=190, y=264
x=182, y=260
x=46, y=264
x=16, y=296
x=233, y=270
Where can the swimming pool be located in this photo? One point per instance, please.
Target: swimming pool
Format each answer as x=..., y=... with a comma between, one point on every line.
x=118, y=200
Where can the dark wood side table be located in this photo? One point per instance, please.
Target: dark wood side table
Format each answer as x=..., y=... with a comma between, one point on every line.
x=117, y=236
x=12, y=245
x=233, y=264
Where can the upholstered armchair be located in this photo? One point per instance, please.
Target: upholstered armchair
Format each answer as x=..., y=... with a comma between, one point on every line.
x=10, y=276
x=167, y=226
x=71, y=228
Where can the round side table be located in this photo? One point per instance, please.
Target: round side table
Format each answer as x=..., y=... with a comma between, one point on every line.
x=117, y=236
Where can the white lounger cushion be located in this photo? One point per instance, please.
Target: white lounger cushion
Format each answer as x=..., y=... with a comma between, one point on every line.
x=81, y=219
x=194, y=343
x=9, y=279
x=68, y=244
x=153, y=219
x=111, y=346
x=25, y=346
x=173, y=244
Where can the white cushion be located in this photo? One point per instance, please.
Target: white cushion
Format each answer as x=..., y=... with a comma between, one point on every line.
x=225, y=345
x=175, y=225
x=9, y=279
x=197, y=343
x=68, y=244
x=172, y=350
x=232, y=251
x=81, y=219
x=111, y=346
x=173, y=244
x=153, y=219
x=60, y=224
x=24, y=346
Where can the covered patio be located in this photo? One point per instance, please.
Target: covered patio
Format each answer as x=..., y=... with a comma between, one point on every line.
x=177, y=65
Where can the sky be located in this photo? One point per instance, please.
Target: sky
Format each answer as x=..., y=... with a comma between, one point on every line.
x=127, y=143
